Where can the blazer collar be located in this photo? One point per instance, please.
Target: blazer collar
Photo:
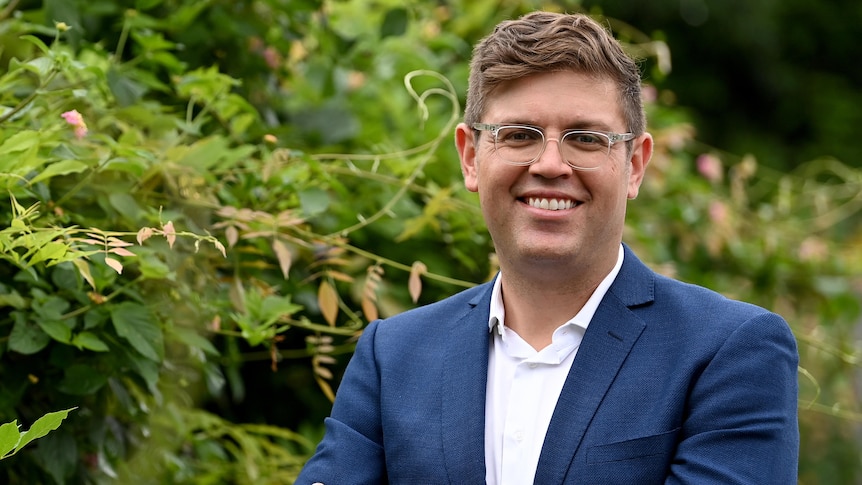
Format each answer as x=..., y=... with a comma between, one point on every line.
x=609, y=339
x=610, y=336
x=464, y=380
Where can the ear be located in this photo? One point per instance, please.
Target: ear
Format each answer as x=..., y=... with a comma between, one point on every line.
x=641, y=154
x=465, y=142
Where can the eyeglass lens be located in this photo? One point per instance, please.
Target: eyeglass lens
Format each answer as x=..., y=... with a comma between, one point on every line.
x=521, y=145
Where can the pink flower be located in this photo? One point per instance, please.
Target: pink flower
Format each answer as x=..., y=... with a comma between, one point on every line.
x=718, y=212
x=76, y=120
x=710, y=167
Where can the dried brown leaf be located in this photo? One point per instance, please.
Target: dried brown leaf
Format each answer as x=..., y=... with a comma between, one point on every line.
x=170, y=233
x=114, y=264
x=220, y=247
x=121, y=252
x=118, y=243
x=327, y=299
x=84, y=269
x=369, y=309
x=144, y=233
x=232, y=235
x=282, y=253
x=414, y=284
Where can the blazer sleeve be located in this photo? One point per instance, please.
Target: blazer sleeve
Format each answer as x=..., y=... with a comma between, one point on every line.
x=351, y=450
x=741, y=425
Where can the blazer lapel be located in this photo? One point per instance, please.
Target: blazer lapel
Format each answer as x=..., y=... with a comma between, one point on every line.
x=610, y=337
x=465, y=375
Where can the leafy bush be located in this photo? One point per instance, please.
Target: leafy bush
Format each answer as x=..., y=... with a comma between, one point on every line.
x=207, y=201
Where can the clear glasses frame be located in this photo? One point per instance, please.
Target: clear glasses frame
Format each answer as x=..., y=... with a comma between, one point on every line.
x=586, y=144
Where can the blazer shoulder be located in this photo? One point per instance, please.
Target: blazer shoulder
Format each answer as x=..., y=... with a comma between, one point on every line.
x=450, y=309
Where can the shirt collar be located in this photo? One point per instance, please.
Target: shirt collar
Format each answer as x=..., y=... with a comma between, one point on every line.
x=498, y=312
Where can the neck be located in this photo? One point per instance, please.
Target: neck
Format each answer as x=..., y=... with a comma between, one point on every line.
x=536, y=305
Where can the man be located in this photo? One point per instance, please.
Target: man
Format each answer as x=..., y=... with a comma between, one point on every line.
x=577, y=364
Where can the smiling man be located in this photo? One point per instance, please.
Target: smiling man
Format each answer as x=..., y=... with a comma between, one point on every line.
x=577, y=364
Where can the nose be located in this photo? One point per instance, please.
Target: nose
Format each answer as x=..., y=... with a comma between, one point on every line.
x=550, y=163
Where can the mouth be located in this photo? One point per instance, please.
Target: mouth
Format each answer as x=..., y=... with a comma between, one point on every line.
x=551, y=204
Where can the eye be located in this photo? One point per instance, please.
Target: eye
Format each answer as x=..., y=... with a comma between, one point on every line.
x=586, y=140
x=515, y=136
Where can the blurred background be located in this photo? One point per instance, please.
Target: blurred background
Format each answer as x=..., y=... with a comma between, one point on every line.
x=205, y=201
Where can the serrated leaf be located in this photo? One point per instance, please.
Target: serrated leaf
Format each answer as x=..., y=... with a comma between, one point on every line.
x=134, y=322
x=327, y=299
x=42, y=427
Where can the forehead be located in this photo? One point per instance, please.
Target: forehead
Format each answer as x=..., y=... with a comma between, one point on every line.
x=561, y=99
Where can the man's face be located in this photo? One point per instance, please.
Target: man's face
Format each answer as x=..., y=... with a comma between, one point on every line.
x=585, y=234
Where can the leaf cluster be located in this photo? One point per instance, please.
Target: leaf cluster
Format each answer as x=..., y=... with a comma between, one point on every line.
x=204, y=203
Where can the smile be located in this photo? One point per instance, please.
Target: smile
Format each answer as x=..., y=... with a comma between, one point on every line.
x=551, y=204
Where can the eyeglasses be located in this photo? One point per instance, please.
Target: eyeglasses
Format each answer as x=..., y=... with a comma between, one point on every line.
x=581, y=149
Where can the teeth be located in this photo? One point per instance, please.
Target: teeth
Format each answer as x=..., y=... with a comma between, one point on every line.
x=550, y=204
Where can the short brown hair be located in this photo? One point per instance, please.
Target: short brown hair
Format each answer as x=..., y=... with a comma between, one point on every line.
x=543, y=42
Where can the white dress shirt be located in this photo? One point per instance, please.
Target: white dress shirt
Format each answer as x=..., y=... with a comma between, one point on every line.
x=524, y=385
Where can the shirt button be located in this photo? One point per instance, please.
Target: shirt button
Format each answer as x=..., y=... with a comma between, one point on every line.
x=519, y=436
x=533, y=365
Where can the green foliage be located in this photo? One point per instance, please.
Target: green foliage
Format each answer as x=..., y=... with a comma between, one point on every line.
x=205, y=202
x=12, y=439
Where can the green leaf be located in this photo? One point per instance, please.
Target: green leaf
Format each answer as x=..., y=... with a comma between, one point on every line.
x=89, y=341
x=147, y=369
x=152, y=267
x=205, y=153
x=49, y=307
x=19, y=142
x=43, y=426
x=13, y=299
x=81, y=380
x=37, y=42
x=125, y=205
x=57, y=329
x=40, y=65
x=394, y=23
x=126, y=90
x=57, y=453
x=27, y=337
x=195, y=340
x=9, y=437
x=63, y=167
x=314, y=201
x=52, y=251
x=134, y=322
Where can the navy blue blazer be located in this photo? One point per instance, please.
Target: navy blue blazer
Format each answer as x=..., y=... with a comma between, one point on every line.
x=672, y=384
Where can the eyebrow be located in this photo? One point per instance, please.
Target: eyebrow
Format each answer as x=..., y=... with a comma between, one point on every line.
x=579, y=125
